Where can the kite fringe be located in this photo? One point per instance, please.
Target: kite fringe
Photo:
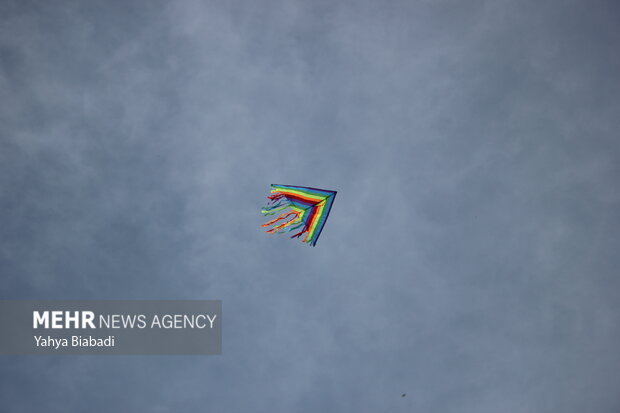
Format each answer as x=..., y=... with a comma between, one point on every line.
x=277, y=202
x=296, y=219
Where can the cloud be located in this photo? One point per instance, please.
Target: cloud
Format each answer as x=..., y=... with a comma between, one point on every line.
x=469, y=260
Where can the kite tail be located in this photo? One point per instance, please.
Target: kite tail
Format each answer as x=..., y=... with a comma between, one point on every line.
x=276, y=203
x=276, y=196
x=294, y=220
x=294, y=227
x=280, y=227
x=271, y=210
x=306, y=231
x=300, y=233
x=273, y=221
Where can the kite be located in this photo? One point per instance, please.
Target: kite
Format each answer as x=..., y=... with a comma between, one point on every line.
x=302, y=208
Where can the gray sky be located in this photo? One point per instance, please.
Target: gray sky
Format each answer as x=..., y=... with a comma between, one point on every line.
x=471, y=257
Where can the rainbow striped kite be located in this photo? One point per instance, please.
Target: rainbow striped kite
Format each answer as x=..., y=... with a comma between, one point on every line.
x=303, y=208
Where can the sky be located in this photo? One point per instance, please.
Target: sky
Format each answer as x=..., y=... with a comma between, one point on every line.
x=470, y=260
